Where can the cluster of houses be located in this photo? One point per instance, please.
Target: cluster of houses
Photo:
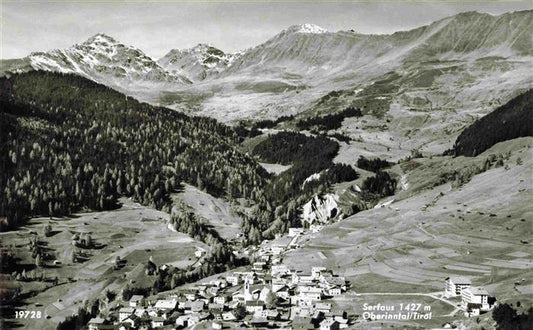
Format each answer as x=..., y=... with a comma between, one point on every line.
x=474, y=299
x=268, y=294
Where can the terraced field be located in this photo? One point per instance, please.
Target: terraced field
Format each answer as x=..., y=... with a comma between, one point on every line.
x=414, y=243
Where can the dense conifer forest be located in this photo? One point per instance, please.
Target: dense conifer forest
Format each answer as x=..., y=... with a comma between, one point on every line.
x=510, y=121
x=71, y=144
x=328, y=122
x=372, y=165
x=68, y=143
x=288, y=147
x=286, y=193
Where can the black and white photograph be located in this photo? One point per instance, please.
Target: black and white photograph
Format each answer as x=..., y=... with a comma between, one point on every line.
x=237, y=164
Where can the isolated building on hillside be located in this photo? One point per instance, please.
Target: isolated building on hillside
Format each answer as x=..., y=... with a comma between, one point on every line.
x=455, y=285
x=293, y=231
x=476, y=295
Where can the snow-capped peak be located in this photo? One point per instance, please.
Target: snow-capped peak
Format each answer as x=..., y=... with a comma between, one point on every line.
x=306, y=28
x=101, y=39
x=106, y=60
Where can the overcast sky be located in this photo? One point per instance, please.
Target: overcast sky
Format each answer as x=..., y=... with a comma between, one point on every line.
x=158, y=26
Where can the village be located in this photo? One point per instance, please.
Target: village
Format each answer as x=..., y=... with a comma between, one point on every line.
x=267, y=294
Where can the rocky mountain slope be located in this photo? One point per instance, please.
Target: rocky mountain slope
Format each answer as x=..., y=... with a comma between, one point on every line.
x=418, y=89
x=421, y=87
x=196, y=63
x=102, y=59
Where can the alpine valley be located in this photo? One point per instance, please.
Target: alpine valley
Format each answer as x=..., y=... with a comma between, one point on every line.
x=388, y=166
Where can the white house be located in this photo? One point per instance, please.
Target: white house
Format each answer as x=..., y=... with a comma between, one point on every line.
x=254, y=306
x=133, y=321
x=316, y=228
x=323, y=307
x=293, y=231
x=315, y=271
x=136, y=300
x=334, y=291
x=141, y=311
x=95, y=323
x=455, y=285
x=166, y=304
x=157, y=322
x=259, y=266
x=329, y=324
x=182, y=320
x=335, y=281
x=276, y=270
x=267, y=313
x=125, y=312
x=221, y=300
x=302, y=278
x=265, y=292
x=309, y=288
x=233, y=279
x=475, y=295
x=277, y=249
x=301, y=311
x=307, y=298
x=190, y=294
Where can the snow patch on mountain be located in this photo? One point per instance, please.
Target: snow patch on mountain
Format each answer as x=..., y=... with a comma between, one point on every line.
x=306, y=28
x=105, y=60
x=197, y=63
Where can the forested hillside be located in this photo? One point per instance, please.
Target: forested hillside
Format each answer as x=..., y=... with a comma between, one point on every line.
x=68, y=143
x=511, y=120
x=285, y=193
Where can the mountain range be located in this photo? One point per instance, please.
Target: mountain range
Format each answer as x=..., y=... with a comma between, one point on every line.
x=421, y=86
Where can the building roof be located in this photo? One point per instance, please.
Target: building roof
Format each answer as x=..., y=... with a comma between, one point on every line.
x=328, y=322
x=136, y=297
x=335, y=280
x=323, y=306
x=459, y=280
x=167, y=304
x=215, y=306
x=129, y=310
x=255, y=303
x=133, y=317
x=96, y=320
x=259, y=320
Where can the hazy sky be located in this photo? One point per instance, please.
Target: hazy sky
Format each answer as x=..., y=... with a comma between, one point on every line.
x=158, y=26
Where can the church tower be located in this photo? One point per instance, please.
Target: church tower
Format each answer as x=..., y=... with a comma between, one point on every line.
x=247, y=294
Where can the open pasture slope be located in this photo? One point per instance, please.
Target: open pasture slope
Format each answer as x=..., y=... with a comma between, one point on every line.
x=133, y=232
x=413, y=244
